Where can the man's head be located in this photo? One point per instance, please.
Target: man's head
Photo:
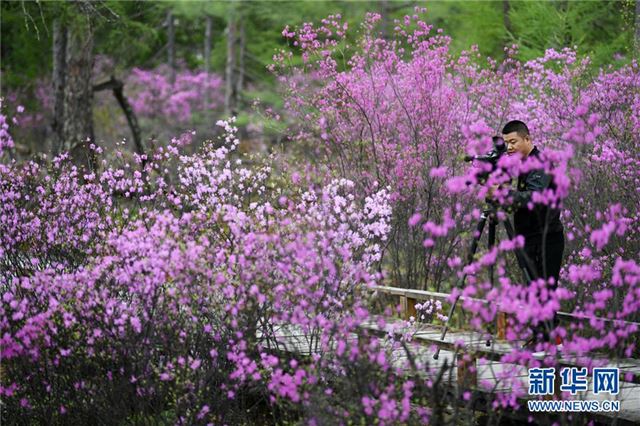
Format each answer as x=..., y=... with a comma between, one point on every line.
x=516, y=135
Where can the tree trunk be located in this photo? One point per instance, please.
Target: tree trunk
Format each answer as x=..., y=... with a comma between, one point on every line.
x=171, y=47
x=229, y=96
x=637, y=32
x=78, y=93
x=240, y=72
x=385, y=12
x=59, y=67
x=387, y=8
x=506, y=7
x=207, y=44
x=207, y=54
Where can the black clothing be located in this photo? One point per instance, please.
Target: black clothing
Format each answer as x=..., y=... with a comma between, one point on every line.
x=543, y=233
x=546, y=259
x=531, y=223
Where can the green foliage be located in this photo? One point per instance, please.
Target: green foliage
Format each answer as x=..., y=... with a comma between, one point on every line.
x=470, y=23
x=600, y=29
x=265, y=96
x=134, y=33
x=597, y=28
x=131, y=33
x=23, y=41
x=126, y=31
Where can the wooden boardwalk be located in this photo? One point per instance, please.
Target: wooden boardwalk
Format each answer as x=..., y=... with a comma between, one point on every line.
x=492, y=375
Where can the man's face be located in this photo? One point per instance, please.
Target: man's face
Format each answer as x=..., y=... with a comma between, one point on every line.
x=516, y=143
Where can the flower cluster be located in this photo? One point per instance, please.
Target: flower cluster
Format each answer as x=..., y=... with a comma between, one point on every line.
x=403, y=112
x=120, y=282
x=6, y=140
x=152, y=94
x=179, y=286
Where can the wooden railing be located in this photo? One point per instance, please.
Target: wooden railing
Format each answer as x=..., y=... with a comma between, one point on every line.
x=408, y=299
x=461, y=358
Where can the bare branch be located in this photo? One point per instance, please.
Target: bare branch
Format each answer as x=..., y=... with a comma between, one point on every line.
x=27, y=18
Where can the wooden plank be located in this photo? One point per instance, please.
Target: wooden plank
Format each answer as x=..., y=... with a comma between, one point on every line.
x=426, y=294
x=416, y=294
x=488, y=373
x=292, y=339
x=474, y=342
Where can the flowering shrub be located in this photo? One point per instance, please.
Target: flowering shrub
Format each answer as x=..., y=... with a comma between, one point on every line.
x=129, y=296
x=6, y=140
x=403, y=112
x=193, y=289
x=430, y=310
x=153, y=96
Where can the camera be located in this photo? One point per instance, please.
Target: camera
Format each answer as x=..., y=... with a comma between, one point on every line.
x=491, y=157
x=499, y=148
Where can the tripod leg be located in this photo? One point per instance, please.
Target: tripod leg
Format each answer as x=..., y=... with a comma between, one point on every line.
x=472, y=252
x=491, y=244
x=524, y=262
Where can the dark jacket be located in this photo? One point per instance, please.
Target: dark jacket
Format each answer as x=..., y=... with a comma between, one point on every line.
x=531, y=223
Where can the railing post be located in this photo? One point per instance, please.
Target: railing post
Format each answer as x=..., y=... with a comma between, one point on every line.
x=408, y=307
x=557, y=393
x=363, y=341
x=467, y=371
x=502, y=326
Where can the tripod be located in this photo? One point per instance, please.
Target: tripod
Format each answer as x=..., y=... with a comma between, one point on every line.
x=490, y=212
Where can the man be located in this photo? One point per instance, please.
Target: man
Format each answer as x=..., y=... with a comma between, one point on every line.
x=541, y=227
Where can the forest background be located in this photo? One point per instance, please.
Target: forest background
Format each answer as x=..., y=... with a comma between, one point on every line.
x=147, y=44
